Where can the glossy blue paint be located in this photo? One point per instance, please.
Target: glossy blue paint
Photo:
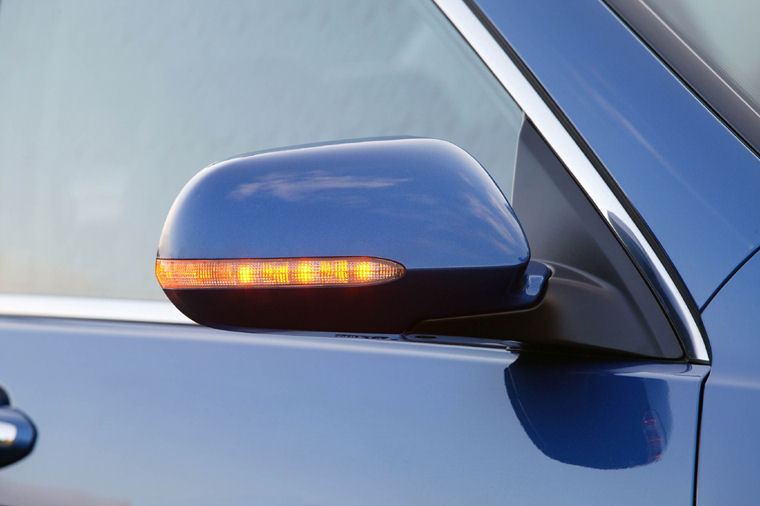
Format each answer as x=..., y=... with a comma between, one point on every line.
x=690, y=178
x=728, y=449
x=596, y=429
x=179, y=415
x=423, y=203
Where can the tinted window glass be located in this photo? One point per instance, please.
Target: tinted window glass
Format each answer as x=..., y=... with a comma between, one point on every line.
x=108, y=108
x=712, y=46
x=724, y=34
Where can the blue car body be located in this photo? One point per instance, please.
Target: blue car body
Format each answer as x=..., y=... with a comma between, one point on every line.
x=151, y=413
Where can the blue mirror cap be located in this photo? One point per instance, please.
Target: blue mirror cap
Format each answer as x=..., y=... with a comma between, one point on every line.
x=423, y=203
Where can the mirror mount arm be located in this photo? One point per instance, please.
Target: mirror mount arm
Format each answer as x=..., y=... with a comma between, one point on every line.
x=531, y=287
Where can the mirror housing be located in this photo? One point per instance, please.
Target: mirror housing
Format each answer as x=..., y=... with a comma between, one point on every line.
x=259, y=241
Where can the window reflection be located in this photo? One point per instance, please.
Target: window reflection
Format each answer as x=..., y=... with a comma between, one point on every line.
x=110, y=107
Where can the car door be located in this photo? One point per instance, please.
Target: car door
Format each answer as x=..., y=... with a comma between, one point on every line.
x=727, y=446
x=110, y=108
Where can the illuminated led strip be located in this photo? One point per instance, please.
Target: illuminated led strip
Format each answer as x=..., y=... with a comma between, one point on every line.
x=175, y=274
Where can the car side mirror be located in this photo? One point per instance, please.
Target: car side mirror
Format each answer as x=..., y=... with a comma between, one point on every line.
x=368, y=236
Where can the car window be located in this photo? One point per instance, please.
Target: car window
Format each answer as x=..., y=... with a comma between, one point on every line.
x=108, y=108
x=720, y=33
x=710, y=45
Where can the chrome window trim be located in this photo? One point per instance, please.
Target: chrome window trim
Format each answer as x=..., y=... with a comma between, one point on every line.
x=91, y=308
x=583, y=171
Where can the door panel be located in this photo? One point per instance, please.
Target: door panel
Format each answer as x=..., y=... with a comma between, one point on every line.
x=728, y=447
x=148, y=414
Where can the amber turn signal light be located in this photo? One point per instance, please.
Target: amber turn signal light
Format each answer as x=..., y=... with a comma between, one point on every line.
x=182, y=274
